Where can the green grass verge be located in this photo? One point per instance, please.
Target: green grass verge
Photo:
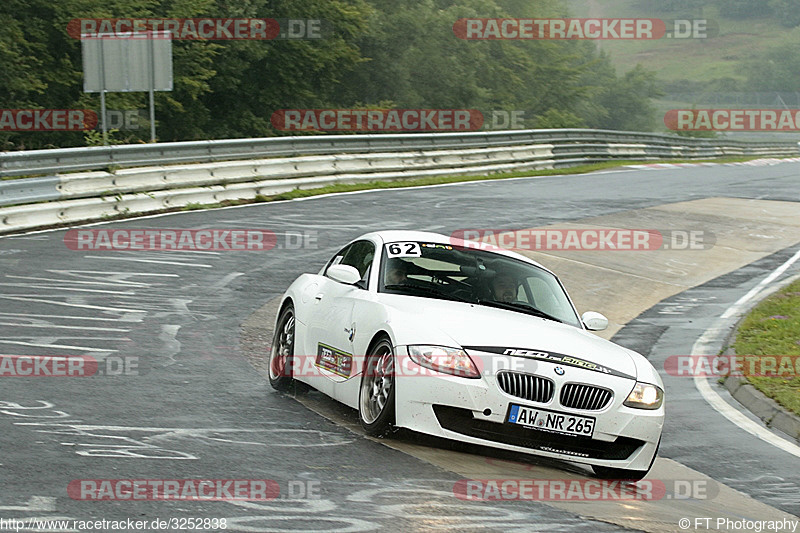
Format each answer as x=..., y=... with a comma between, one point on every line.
x=773, y=328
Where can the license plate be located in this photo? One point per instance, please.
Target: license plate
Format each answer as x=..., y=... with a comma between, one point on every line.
x=552, y=421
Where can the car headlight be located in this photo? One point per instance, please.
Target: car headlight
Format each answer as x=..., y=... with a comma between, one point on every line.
x=645, y=396
x=443, y=359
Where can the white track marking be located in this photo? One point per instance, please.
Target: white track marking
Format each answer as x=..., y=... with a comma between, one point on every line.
x=35, y=503
x=703, y=346
x=78, y=282
x=52, y=287
x=63, y=346
x=736, y=308
x=200, y=265
x=51, y=326
x=65, y=317
x=22, y=298
x=227, y=279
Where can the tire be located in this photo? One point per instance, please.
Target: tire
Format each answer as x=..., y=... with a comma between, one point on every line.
x=607, y=472
x=280, y=357
x=376, y=411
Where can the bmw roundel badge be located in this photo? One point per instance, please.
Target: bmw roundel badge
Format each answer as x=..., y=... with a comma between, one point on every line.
x=559, y=370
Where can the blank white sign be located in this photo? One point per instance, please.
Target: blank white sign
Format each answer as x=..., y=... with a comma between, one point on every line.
x=127, y=62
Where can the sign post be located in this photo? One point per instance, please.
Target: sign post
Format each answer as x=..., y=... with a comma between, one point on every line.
x=129, y=62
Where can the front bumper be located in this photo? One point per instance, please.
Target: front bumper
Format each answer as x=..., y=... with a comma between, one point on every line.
x=474, y=411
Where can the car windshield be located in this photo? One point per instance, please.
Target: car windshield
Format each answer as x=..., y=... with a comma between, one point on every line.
x=444, y=271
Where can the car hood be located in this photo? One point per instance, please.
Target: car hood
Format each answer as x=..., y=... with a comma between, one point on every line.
x=492, y=330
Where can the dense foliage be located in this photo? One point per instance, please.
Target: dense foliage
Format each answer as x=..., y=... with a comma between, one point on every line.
x=381, y=53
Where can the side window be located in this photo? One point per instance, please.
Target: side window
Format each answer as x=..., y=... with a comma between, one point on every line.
x=358, y=255
x=336, y=258
x=522, y=294
x=544, y=297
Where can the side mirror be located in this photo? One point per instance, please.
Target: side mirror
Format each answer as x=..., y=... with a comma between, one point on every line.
x=594, y=321
x=344, y=274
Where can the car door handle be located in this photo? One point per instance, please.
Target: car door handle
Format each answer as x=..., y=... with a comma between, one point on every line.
x=319, y=296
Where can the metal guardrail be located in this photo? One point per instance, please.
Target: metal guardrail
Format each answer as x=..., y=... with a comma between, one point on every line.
x=38, y=162
x=172, y=175
x=25, y=191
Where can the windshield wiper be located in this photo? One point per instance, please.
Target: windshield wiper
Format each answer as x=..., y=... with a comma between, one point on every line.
x=519, y=306
x=427, y=290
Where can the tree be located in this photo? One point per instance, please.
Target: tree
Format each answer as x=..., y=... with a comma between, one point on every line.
x=628, y=101
x=786, y=11
x=743, y=8
x=399, y=51
x=778, y=71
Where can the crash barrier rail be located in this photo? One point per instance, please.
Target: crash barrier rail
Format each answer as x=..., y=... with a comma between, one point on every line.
x=146, y=178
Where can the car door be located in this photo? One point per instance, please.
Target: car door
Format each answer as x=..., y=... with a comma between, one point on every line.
x=331, y=325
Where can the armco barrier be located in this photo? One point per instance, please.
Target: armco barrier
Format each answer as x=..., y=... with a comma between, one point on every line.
x=242, y=169
x=35, y=162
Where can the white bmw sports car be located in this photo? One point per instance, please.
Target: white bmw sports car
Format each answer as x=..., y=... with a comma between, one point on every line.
x=449, y=338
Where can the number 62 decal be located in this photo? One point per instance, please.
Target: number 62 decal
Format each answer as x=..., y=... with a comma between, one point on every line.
x=404, y=249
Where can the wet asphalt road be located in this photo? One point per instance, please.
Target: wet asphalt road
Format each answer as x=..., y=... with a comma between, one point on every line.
x=189, y=405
